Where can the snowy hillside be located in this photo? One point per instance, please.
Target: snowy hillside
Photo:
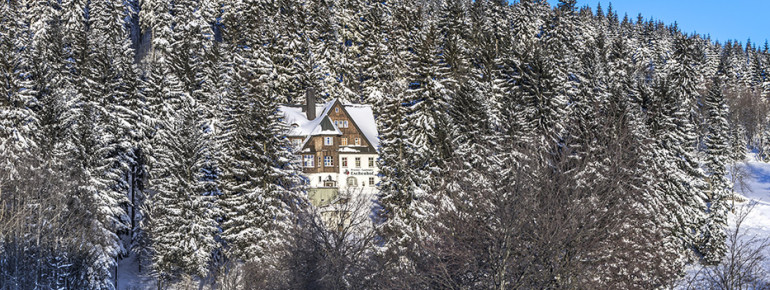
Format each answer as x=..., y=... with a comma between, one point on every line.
x=754, y=230
x=757, y=191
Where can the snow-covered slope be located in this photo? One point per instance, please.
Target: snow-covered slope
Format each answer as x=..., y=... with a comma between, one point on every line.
x=754, y=188
x=757, y=191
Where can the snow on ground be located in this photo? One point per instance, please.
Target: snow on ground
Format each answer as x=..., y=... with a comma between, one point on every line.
x=757, y=191
x=129, y=277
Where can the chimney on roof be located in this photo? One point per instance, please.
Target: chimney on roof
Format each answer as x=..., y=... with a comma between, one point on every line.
x=310, y=103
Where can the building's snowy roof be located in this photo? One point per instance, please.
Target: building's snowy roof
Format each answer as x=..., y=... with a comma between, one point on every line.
x=300, y=126
x=364, y=118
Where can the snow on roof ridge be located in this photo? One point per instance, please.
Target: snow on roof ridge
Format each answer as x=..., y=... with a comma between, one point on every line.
x=361, y=114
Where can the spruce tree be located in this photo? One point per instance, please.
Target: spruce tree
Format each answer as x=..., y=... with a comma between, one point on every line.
x=720, y=189
x=261, y=183
x=16, y=120
x=683, y=184
x=397, y=191
x=182, y=227
x=738, y=145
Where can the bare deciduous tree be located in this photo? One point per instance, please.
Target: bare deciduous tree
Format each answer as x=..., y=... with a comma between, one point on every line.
x=332, y=248
x=742, y=266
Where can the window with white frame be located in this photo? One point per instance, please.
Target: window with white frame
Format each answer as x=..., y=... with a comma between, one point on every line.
x=358, y=142
x=344, y=162
x=371, y=181
x=352, y=182
x=328, y=141
x=328, y=161
x=345, y=125
x=358, y=162
x=337, y=109
x=309, y=161
x=371, y=162
x=344, y=141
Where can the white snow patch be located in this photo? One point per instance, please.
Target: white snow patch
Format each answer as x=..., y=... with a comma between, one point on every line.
x=129, y=277
x=756, y=190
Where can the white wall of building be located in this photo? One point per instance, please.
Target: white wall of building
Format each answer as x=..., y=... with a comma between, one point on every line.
x=358, y=177
x=362, y=177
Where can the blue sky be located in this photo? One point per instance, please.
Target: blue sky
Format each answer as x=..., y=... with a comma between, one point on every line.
x=723, y=20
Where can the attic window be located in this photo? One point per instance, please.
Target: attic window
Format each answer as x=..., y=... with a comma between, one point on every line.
x=358, y=142
x=337, y=109
x=328, y=141
x=341, y=124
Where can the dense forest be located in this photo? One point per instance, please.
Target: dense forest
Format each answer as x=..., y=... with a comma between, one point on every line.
x=521, y=145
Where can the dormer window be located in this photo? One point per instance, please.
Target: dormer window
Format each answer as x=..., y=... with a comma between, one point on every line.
x=328, y=141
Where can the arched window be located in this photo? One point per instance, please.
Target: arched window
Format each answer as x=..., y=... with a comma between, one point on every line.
x=352, y=182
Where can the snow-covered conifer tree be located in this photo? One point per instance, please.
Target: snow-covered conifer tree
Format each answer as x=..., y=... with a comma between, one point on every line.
x=720, y=188
x=261, y=182
x=183, y=224
x=683, y=183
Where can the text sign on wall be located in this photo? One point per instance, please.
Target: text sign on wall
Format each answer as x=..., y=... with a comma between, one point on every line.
x=359, y=171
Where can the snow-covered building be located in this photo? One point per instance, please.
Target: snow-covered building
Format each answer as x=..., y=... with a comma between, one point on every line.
x=336, y=144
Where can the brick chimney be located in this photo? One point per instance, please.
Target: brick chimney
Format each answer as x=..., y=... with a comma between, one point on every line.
x=310, y=103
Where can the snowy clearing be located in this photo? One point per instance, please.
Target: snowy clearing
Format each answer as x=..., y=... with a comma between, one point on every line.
x=755, y=189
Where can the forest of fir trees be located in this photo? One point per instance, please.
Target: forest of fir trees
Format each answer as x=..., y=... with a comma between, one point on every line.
x=521, y=145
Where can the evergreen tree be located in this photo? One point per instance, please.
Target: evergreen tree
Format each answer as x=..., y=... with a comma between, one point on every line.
x=262, y=185
x=717, y=158
x=738, y=145
x=182, y=224
x=16, y=120
x=683, y=184
x=397, y=191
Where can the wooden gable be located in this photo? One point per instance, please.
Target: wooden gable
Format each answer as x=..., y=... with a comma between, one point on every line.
x=339, y=113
